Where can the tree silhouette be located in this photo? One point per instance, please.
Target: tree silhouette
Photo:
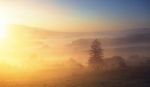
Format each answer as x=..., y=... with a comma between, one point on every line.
x=96, y=54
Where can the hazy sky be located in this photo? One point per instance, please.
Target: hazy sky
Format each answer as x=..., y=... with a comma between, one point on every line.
x=77, y=15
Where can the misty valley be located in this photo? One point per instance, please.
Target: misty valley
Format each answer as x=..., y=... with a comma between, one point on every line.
x=74, y=43
x=41, y=58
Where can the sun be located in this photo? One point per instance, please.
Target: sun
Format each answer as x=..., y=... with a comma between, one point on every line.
x=3, y=32
x=3, y=28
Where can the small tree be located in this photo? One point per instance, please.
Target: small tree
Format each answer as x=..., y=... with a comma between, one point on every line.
x=96, y=54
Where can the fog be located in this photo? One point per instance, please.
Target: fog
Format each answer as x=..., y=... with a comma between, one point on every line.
x=41, y=58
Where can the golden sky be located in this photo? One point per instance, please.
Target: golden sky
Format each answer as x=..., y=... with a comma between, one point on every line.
x=68, y=16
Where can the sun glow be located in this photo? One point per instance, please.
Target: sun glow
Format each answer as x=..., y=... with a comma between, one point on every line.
x=3, y=28
x=3, y=32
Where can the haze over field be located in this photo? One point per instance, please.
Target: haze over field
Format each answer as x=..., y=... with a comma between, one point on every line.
x=69, y=43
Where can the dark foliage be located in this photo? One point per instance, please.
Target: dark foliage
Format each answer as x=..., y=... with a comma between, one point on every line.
x=96, y=54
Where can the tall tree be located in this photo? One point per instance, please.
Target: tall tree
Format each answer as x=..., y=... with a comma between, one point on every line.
x=96, y=54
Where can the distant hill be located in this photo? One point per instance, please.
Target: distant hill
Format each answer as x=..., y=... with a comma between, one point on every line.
x=122, y=42
x=136, y=41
